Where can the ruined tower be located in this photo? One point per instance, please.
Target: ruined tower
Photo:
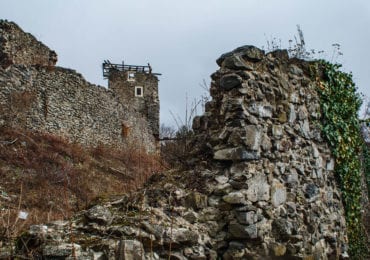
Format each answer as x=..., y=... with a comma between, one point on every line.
x=137, y=87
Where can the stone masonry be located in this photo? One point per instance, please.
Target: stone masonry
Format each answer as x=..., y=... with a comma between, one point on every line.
x=276, y=188
x=39, y=96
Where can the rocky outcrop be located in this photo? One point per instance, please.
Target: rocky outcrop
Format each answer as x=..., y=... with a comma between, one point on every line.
x=261, y=184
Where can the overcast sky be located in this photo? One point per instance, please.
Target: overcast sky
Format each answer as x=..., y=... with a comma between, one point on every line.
x=182, y=39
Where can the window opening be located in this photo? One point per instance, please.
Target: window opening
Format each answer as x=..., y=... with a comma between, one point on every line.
x=131, y=76
x=138, y=91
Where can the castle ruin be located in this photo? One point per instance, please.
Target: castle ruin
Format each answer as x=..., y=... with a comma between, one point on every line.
x=37, y=95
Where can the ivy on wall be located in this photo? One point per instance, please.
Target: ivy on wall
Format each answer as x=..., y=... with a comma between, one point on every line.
x=340, y=103
x=366, y=167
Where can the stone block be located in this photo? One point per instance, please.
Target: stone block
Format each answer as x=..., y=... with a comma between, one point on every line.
x=235, y=154
x=236, y=197
x=260, y=109
x=252, y=139
x=130, y=249
x=246, y=218
x=258, y=188
x=196, y=200
x=100, y=215
x=239, y=231
x=230, y=81
x=278, y=194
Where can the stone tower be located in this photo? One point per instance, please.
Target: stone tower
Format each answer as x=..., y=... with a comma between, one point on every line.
x=136, y=87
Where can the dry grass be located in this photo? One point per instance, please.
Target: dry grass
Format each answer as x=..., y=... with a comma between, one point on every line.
x=50, y=178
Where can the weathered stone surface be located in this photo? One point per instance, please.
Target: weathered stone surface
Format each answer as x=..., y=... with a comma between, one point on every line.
x=238, y=231
x=282, y=229
x=230, y=81
x=236, y=62
x=100, y=215
x=246, y=218
x=277, y=131
x=278, y=194
x=130, y=249
x=252, y=137
x=278, y=249
x=260, y=109
x=183, y=236
x=247, y=52
x=258, y=188
x=236, y=197
x=311, y=191
x=61, y=250
x=235, y=154
x=18, y=47
x=196, y=200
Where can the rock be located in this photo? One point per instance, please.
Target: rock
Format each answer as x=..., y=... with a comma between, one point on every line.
x=235, y=154
x=196, y=200
x=302, y=113
x=191, y=216
x=176, y=256
x=61, y=250
x=236, y=197
x=209, y=214
x=100, y=215
x=250, y=53
x=247, y=52
x=183, y=236
x=258, y=189
x=252, y=138
x=231, y=81
x=246, y=218
x=292, y=179
x=277, y=131
x=130, y=249
x=278, y=249
x=311, y=191
x=236, y=62
x=221, y=179
x=266, y=143
x=239, y=231
x=295, y=70
x=305, y=129
x=222, y=189
x=281, y=229
x=291, y=114
x=260, y=109
x=315, y=151
x=330, y=165
x=278, y=194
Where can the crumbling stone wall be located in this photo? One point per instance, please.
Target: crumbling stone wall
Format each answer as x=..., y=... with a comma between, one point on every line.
x=18, y=47
x=36, y=95
x=275, y=188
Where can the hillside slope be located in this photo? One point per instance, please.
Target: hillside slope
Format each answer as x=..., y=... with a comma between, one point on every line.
x=49, y=178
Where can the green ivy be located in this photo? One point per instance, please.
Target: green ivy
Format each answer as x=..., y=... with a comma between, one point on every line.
x=341, y=127
x=366, y=167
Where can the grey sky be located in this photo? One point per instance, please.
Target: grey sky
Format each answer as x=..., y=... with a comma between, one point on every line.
x=182, y=39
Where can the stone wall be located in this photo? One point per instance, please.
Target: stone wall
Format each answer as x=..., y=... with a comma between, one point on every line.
x=36, y=95
x=276, y=187
x=18, y=47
